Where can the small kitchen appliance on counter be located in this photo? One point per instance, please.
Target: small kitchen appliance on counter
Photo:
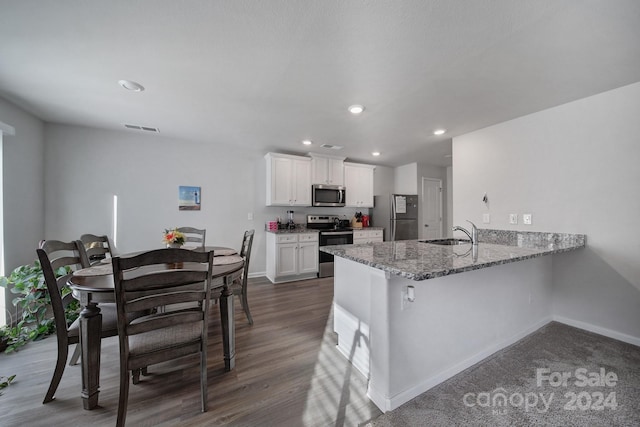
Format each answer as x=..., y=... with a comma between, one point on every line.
x=290, y=224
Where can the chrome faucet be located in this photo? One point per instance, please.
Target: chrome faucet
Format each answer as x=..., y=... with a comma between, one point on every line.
x=473, y=236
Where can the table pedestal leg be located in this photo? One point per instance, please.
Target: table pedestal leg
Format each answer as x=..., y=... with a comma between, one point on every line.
x=228, y=328
x=90, y=330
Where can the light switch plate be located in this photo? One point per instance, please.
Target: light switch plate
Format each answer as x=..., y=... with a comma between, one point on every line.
x=486, y=218
x=526, y=219
x=513, y=218
x=250, y=216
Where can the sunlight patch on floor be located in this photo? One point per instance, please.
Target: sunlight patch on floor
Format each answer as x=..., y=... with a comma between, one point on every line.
x=338, y=392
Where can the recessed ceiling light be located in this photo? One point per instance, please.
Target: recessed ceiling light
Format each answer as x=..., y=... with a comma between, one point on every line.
x=356, y=109
x=132, y=86
x=307, y=142
x=439, y=131
x=375, y=153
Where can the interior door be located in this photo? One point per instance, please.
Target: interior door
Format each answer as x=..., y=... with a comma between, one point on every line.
x=431, y=209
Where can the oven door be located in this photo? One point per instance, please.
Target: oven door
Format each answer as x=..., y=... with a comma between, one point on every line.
x=331, y=238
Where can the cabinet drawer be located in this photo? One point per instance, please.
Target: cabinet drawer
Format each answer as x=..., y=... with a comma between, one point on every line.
x=308, y=237
x=360, y=234
x=375, y=233
x=287, y=238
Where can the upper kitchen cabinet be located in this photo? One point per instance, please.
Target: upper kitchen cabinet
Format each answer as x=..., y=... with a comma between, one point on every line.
x=327, y=169
x=288, y=180
x=358, y=180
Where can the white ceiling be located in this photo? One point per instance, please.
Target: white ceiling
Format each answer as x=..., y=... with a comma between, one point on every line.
x=266, y=74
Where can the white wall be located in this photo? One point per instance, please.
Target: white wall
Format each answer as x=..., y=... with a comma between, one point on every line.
x=23, y=192
x=405, y=179
x=449, y=201
x=383, y=181
x=86, y=166
x=575, y=168
x=23, y=188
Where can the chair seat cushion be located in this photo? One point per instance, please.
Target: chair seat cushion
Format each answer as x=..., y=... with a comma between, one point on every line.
x=225, y=260
x=164, y=338
x=109, y=322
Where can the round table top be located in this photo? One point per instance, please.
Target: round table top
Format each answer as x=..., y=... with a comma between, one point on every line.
x=99, y=278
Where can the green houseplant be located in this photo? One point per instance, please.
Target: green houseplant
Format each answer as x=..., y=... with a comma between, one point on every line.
x=27, y=281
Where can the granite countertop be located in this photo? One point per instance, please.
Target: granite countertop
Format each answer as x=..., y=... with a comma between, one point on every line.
x=302, y=229
x=416, y=260
x=298, y=229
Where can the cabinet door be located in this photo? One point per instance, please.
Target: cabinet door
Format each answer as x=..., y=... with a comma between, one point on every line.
x=308, y=257
x=281, y=181
x=286, y=259
x=359, y=183
x=351, y=182
x=366, y=187
x=301, y=195
x=335, y=171
x=319, y=168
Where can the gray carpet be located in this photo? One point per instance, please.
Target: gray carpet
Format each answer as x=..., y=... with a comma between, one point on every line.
x=467, y=399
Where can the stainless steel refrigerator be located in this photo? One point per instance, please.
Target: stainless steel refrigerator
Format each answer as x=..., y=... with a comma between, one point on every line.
x=398, y=214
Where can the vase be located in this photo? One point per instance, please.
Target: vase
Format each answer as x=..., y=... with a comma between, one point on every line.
x=174, y=245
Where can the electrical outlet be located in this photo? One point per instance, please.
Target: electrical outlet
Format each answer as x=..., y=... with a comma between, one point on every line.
x=486, y=218
x=404, y=299
x=513, y=218
x=250, y=216
x=526, y=219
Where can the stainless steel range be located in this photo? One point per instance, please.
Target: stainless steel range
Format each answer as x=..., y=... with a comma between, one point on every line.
x=333, y=231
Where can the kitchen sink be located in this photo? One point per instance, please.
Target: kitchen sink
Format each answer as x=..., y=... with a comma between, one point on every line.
x=447, y=242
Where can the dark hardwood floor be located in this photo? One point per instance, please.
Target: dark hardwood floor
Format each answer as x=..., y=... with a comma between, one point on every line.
x=288, y=373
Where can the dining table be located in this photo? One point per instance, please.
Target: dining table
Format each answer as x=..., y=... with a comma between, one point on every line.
x=94, y=285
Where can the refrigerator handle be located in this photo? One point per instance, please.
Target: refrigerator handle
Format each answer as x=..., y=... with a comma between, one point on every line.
x=393, y=231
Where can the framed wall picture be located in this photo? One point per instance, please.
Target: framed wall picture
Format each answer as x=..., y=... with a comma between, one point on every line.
x=189, y=198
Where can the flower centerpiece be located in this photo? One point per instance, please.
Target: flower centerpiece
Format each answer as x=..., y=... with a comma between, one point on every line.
x=173, y=238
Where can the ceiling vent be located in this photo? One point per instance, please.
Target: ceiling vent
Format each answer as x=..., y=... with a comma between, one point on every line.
x=331, y=147
x=145, y=128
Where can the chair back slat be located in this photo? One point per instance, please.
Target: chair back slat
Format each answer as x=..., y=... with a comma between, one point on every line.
x=194, y=235
x=162, y=279
x=147, y=302
x=96, y=248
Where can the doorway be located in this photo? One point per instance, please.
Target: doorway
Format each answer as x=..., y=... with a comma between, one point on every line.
x=431, y=209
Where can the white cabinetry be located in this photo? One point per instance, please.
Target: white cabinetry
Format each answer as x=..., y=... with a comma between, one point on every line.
x=367, y=236
x=288, y=180
x=327, y=169
x=358, y=180
x=292, y=256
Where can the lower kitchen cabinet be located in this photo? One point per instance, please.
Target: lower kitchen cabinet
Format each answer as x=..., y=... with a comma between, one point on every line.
x=292, y=256
x=367, y=236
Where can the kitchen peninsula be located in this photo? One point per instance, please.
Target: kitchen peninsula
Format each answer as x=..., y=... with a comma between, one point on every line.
x=411, y=314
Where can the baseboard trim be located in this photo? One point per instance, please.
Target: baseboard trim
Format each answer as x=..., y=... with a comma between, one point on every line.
x=598, y=330
x=257, y=274
x=387, y=404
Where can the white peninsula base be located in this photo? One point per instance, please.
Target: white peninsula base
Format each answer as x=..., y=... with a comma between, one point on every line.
x=454, y=322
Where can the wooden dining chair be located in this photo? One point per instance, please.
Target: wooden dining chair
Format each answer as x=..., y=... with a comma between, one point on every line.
x=97, y=248
x=239, y=286
x=159, y=280
x=55, y=255
x=193, y=235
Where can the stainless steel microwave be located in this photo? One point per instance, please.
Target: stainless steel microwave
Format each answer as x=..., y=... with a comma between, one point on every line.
x=328, y=195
